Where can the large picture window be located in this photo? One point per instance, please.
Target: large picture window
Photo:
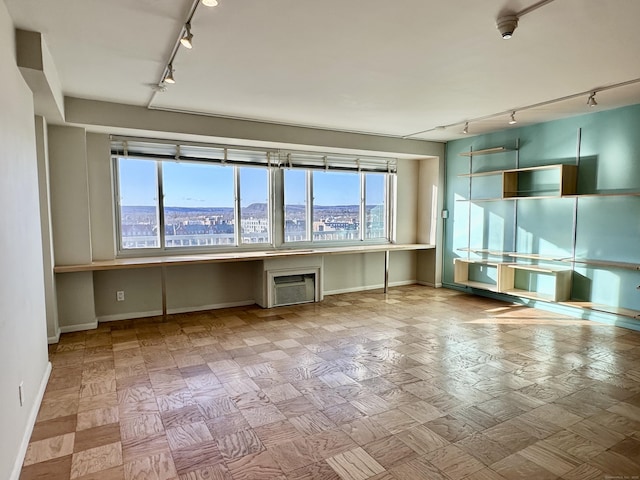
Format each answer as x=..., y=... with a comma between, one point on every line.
x=200, y=197
x=139, y=208
x=199, y=207
x=342, y=206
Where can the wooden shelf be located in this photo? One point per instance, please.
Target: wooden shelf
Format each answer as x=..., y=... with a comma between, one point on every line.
x=554, y=166
x=487, y=151
x=500, y=253
x=481, y=174
x=529, y=294
x=604, y=263
x=479, y=285
x=539, y=268
x=484, y=251
x=536, y=256
x=610, y=194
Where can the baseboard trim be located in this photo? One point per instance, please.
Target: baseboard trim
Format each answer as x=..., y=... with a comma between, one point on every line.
x=55, y=338
x=128, y=316
x=575, y=312
x=369, y=287
x=155, y=313
x=79, y=327
x=429, y=284
x=31, y=422
x=216, y=306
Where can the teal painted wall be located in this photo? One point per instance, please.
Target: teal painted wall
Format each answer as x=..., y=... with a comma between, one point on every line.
x=607, y=228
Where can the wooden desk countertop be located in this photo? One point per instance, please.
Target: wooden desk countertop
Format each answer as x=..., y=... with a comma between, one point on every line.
x=240, y=256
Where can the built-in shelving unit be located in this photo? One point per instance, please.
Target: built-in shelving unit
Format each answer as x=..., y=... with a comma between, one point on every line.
x=557, y=181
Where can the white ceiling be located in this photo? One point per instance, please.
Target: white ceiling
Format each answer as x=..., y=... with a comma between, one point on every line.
x=376, y=66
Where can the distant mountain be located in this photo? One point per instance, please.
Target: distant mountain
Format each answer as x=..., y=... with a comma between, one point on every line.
x=253, y=209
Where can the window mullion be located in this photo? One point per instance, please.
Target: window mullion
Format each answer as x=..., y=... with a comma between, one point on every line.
x=161, y=207
x=270, y=206
x=363, y=206
x=236, y=209
x=392, y=207
x=309, y=220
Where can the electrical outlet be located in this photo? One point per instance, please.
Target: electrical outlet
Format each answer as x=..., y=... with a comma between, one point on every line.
x=21, y=393
x=120, y=295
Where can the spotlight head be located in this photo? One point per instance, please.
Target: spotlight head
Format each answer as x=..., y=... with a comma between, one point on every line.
x=592, y=100
x=168, y=78
x=506, y=25
x=512, y=120
x=466, y=128
x=210, y=3
x=187, y=38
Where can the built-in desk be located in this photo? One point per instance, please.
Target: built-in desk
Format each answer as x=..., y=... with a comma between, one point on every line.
x=243, y=256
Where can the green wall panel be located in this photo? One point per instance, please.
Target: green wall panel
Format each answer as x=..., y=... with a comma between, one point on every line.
x=545, y=227
x=609, y=229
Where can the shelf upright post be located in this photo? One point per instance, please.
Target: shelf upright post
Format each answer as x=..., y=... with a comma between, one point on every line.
x=515, y=202
x=574, y=231
x=469, y=203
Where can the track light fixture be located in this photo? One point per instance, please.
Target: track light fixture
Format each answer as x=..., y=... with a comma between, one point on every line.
x=210, y=3
x=466, y=128
x=512, y=120
x=187, y=38
x=168, y=78
x=592, y=100
x=506, y=25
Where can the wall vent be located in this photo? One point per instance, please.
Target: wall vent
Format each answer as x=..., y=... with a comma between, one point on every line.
x=293, y=287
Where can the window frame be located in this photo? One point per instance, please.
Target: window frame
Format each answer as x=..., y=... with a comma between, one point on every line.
x=275, y=162
x=389, y=211
x=163, y=249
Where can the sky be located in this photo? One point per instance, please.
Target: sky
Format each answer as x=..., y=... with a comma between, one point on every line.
x=188, y=184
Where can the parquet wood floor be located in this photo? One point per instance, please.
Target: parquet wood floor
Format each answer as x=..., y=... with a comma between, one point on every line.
x=416, y=384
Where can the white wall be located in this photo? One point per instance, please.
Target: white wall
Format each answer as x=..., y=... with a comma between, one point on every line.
x=101, y=207
x=23, y=335
x=48, y=259
x=71, y=223
x=430, y=200
x=69, y=195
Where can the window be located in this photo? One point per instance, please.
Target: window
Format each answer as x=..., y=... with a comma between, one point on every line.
x=199, y=203
x=139, y=213
x=338, y=205
x=254, y=205
x=296, y=209
x=199, y=207
x=196, y=197
x=375, y=206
